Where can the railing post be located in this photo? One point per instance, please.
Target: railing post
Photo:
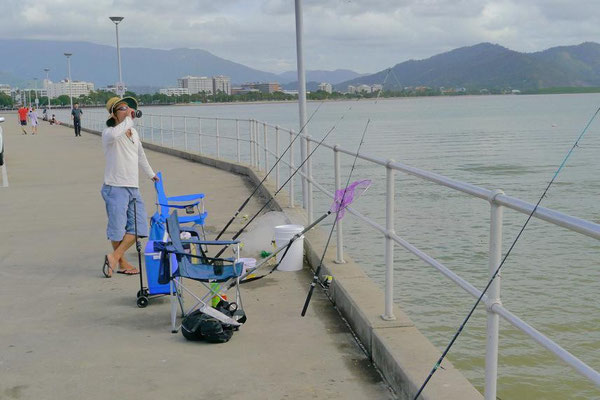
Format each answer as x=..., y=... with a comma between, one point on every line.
x=266, y=147
x=185, y=133
x=237, y=135
x=251, y=136
x=162, y=137
x=309, y=186
x=152, y=127
x=291, y=183
x=256, y=146
x=493, y=319
x=388, y=314
x=339, y=255
x=217, y=137
x=172, y=134
x=199, y=136
x=277, y=156
x=303, y=145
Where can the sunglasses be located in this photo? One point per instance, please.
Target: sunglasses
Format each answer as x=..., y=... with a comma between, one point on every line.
x=122, y=108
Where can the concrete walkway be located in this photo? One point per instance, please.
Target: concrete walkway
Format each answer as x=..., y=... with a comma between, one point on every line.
x=68, y=333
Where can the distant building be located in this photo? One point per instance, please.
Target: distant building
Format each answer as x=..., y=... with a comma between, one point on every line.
x=64, y=87
x=243, y=90
x=113, y=88
x=290, y=92
x=263, y=87
x=363, y=89
x=515, y=91
x=5, y=89
x=221, y=84
x=174, y=91
x=376, y=88
x=326, y=87
x=196, y=84
x=351, y=89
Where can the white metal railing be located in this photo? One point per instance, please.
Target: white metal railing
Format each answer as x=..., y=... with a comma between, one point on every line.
x=249, y=131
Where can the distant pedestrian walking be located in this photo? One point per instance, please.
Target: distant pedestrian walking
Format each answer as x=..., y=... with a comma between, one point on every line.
x=23, y=118
x=76, y=117
x=33, y=119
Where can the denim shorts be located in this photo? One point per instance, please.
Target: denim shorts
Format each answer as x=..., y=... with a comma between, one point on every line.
x=119, y=209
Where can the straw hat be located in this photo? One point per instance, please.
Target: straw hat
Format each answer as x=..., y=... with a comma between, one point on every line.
x=113, y=102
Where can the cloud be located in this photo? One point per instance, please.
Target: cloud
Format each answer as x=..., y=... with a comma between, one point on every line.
x=363, y=35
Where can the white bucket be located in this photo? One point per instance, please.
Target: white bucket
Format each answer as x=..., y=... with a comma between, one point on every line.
x=249, y=264
x=294, y=258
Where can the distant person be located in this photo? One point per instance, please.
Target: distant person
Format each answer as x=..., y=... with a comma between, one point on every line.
x=45, y=114
x=33, y=119
x=54, y=121
x=124, y=156
x=23, y=111
x=76, y=117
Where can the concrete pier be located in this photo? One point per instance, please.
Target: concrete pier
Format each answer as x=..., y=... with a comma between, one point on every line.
x=66, y=332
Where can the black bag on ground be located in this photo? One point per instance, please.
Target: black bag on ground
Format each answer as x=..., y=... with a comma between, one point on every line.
x=199, y=326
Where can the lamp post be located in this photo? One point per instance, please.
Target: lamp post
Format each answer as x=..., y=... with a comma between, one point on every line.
x=37, y=101
x=47, y=89
x=68, y=55
x=120, y=85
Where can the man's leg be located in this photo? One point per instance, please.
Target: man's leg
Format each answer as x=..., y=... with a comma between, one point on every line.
x=115, y=257
x=123, y=263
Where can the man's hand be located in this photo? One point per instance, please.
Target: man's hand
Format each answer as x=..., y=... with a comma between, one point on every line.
x=155, y=178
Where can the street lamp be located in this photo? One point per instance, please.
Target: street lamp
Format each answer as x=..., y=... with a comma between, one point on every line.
x=68, y=55
x=48, y=89
x=37, y=101
x=120, y=85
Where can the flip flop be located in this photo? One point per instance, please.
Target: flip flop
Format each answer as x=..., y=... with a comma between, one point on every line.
x=106, y=268
x=129, y=271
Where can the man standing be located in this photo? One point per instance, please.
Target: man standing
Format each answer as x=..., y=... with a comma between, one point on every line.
x=124, y=155
x=23, y=111
x=76, y=117
x=33, y=119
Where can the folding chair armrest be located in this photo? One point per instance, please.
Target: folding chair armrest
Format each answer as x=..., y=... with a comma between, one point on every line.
x=210, y=242
x=179, y=206
x=187, y=197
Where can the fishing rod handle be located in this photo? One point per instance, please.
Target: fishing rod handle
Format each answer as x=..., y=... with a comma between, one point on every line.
x=308, y=297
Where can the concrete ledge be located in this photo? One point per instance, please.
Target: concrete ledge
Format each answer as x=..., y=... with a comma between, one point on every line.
x=397, y=348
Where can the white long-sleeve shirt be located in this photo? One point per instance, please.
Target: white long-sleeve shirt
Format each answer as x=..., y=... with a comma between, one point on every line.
x=123, y=155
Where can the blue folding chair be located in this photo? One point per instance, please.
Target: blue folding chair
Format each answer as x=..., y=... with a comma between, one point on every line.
x=215, y=274
x=191, y=203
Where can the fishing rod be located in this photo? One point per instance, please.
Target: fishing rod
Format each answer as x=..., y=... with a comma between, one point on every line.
x=315, y=279
x=462, y=325
x=284, y=183
x=265, y=177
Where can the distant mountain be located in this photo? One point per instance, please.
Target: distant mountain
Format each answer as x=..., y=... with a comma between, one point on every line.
x=23, y=60
x=311, y=86
x=492, y=66
x=144, y=69
x=333, y=77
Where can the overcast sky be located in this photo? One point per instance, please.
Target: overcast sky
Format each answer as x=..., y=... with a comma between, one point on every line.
x=362, y=35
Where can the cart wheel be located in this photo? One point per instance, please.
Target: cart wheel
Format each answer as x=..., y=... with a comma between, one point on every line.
x=141, y=293
x=142, y=302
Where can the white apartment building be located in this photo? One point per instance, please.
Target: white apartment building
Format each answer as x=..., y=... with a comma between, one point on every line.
x=376, y=88
x=196, y=84
x=363, y=89
x=351, y=89
x=221, y=83
x=174, y=91
x=5, y=89
x=64, y=87
x=326, y=87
